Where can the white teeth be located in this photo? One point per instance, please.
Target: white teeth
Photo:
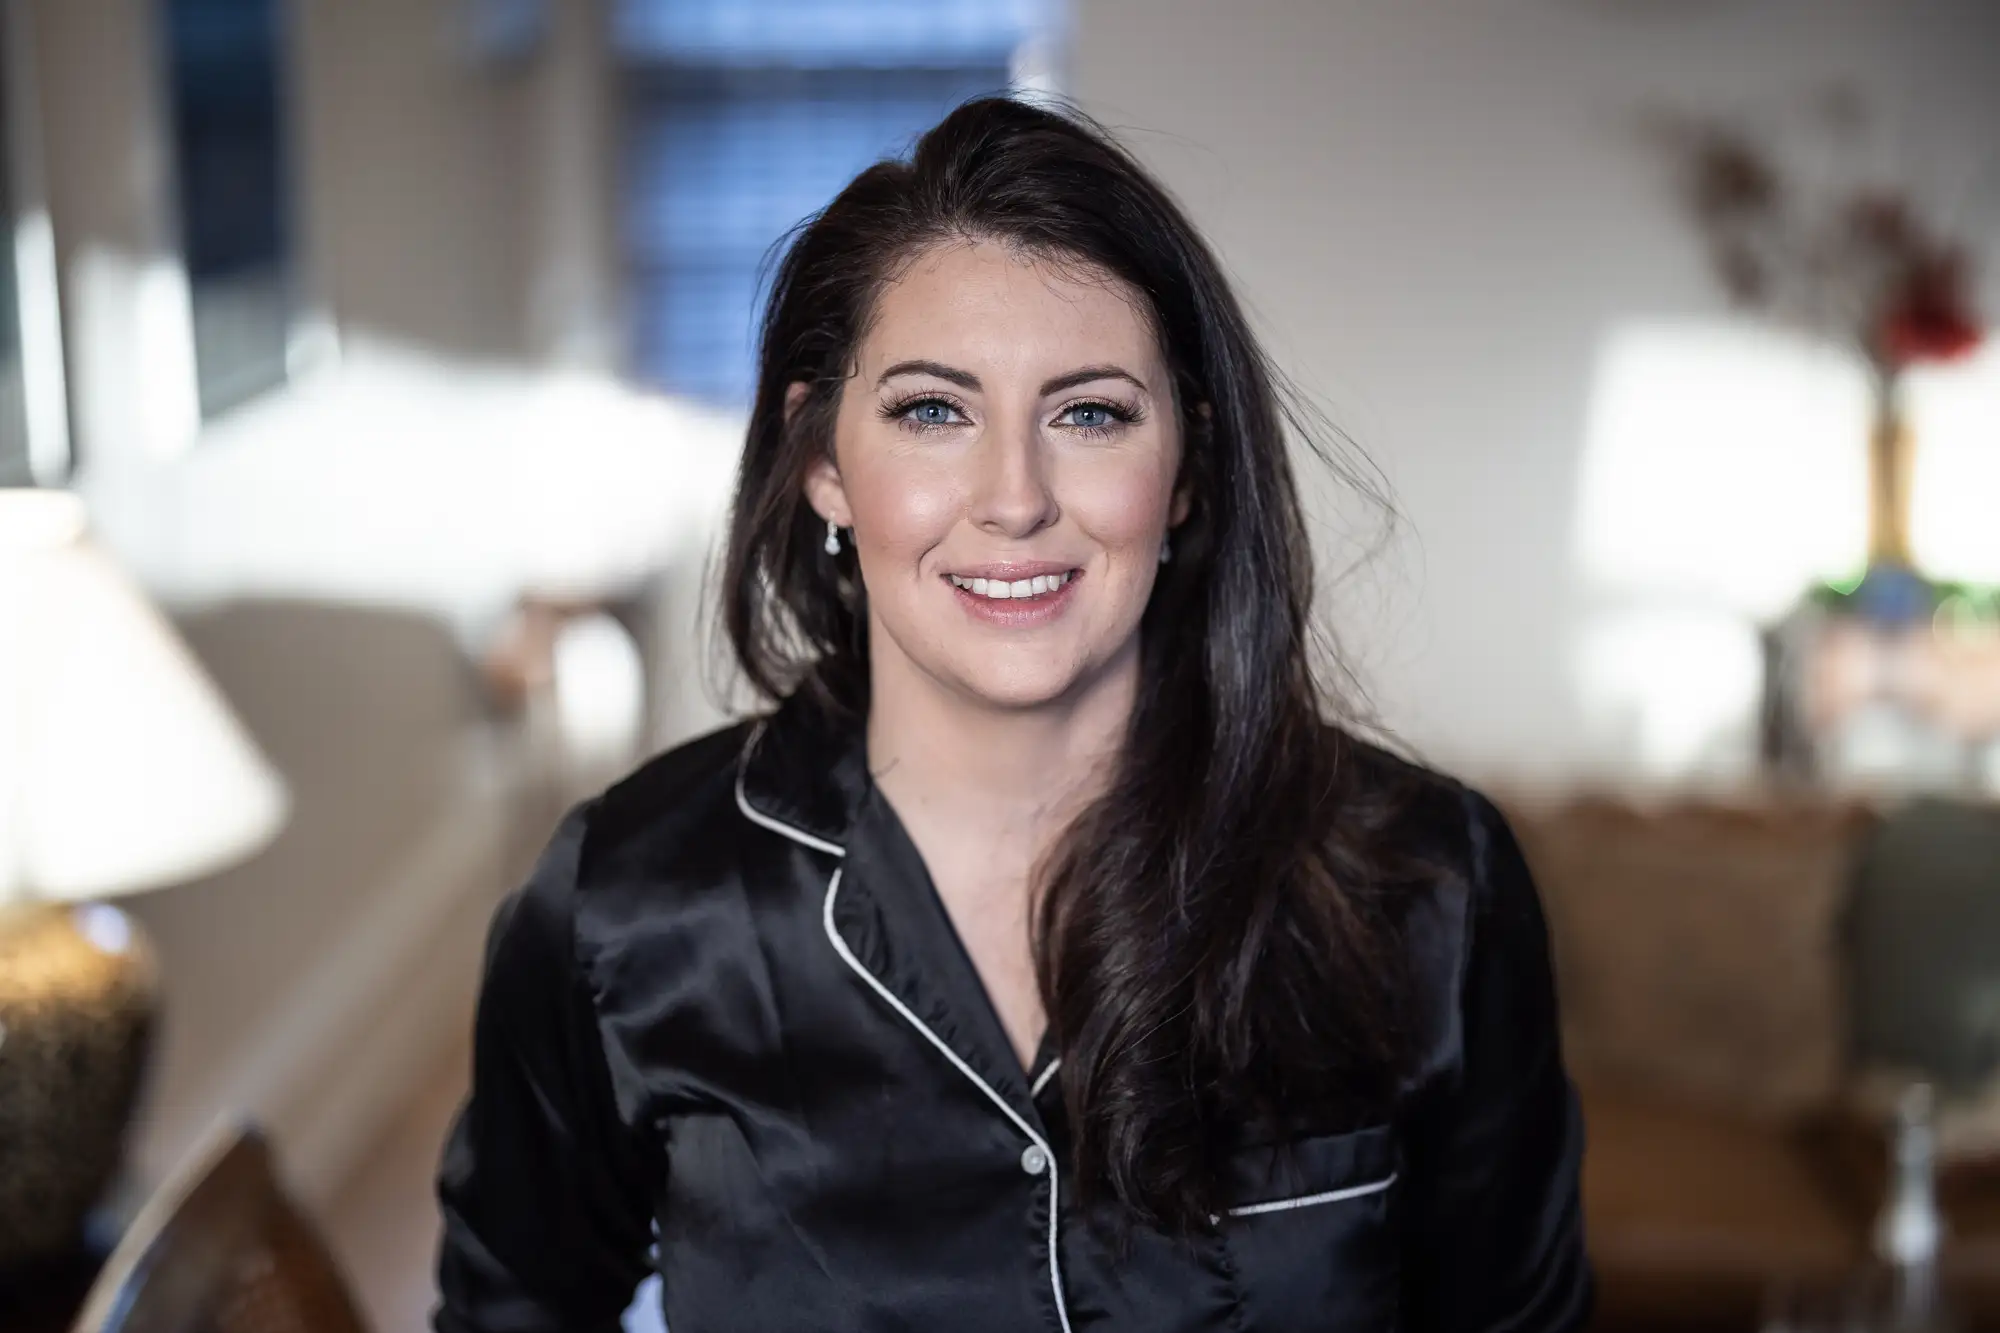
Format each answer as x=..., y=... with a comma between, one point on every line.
x=1001, y=590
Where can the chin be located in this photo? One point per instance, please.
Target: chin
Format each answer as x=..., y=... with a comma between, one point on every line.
x=1030, y=686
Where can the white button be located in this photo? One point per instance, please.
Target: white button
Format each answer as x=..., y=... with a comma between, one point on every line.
x=1033, y=1160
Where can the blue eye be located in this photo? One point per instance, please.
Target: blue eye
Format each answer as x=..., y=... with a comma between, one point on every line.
x=1095, y=419
x=925, y=414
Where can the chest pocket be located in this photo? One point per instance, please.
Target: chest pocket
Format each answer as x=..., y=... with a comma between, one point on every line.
x=1310, y=1232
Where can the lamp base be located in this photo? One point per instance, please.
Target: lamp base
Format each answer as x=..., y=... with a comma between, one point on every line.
x=78, y=991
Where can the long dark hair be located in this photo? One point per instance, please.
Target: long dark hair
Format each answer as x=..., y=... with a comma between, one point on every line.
x=1212, y=943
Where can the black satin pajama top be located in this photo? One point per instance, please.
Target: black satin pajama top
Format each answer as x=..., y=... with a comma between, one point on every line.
x=728, y=1033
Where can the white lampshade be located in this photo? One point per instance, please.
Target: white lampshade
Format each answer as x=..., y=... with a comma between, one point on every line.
x=1954, y=415
x=1725, y=466
x=121, y=767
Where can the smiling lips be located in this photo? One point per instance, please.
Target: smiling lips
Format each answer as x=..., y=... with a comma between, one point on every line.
x=1015, y=595
x=1001, y=590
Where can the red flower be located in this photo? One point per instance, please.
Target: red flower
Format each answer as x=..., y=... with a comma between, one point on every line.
x=1929, y=318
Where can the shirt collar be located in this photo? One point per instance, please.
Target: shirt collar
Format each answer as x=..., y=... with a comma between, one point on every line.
x=806, y=768
x=805, y=773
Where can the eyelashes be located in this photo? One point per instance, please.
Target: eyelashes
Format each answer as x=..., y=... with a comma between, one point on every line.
x=903, y=411
x=925, y=412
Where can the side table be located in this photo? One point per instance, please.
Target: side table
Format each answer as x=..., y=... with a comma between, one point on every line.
x=1855, y=1159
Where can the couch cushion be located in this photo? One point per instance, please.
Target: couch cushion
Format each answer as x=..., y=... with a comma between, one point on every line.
x=1674, y=1189
x=1696, y=945
x=1695, y=1219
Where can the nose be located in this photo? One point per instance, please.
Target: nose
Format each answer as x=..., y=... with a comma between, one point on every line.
x=1011, y=495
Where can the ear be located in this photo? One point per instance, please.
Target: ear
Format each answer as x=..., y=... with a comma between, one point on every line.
x=1183, y=498
x=823, y=488
x=826, y=494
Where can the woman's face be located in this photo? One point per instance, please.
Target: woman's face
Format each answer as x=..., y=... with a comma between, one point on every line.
x=1005, y=456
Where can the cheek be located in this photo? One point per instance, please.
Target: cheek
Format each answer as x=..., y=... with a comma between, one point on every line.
x=1121, y=502
x=902, y=504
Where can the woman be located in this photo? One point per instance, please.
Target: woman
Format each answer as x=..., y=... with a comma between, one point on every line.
x=1043, y=960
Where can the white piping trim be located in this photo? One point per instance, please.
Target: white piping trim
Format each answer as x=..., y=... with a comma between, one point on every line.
x=889, y=998
x=1308, y=1200
x=847, y=956
x=758, y=817
x=1042, y=1079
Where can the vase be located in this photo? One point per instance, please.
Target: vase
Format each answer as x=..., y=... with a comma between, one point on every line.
x=78, y=990
x=1891, y=471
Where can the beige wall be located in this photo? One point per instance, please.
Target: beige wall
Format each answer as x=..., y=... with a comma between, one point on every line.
x=416, y=182
x=1438, y=211
x=455, y=201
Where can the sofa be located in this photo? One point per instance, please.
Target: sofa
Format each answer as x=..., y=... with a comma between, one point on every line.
x=1706, y=956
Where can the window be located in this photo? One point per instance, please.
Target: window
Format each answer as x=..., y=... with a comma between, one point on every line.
x=34, y=409
x=16, y=458
x=744, y=116
x=224, y=82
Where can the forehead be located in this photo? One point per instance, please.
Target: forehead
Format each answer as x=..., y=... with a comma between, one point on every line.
x=993, y=309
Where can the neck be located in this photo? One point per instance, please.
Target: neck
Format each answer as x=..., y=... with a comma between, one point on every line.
x=950, y=760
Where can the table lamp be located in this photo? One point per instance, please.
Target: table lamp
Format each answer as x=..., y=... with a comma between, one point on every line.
x=121, y=769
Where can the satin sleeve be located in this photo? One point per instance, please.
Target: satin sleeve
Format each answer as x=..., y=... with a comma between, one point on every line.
x=1495, y=1229
x=546, y=1191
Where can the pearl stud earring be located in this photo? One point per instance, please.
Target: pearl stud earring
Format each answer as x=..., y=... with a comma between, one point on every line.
x=832, y=537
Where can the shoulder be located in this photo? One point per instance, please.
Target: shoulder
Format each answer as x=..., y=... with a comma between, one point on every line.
x=621, y=855
x=678, y=798
x=1409, y=811
x=583, y=943
x=1454, y=879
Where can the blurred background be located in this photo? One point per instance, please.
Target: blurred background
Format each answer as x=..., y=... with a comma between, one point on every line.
x=371, y=379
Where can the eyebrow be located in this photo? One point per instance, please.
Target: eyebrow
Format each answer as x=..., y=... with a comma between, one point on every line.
x=965, y=379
